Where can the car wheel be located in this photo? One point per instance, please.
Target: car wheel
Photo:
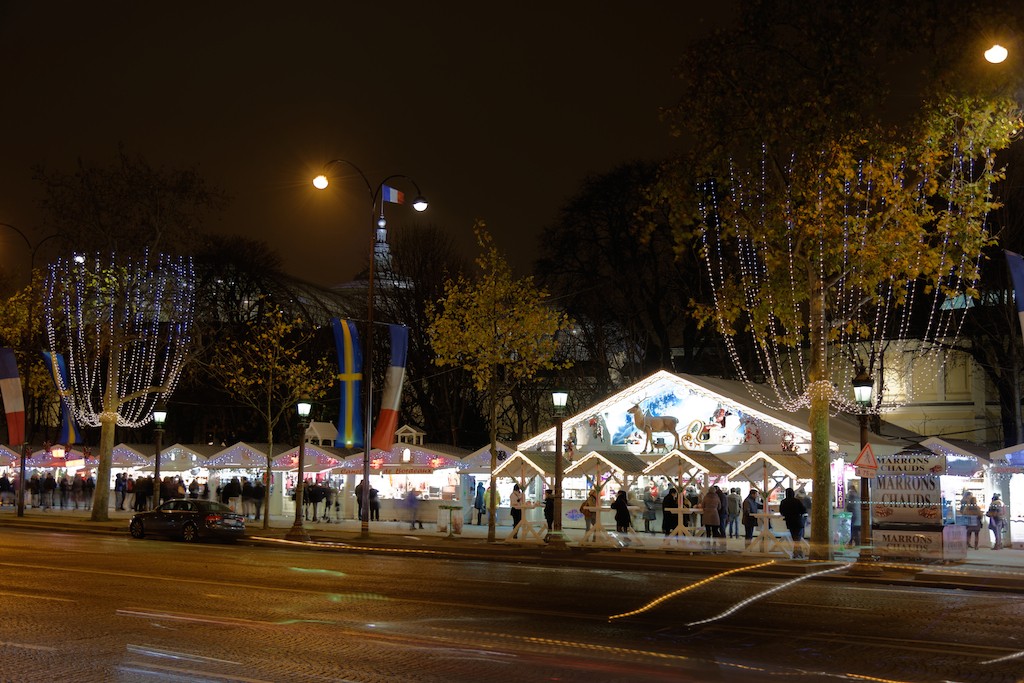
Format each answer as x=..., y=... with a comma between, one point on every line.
x=136, y=529
x=190, y=533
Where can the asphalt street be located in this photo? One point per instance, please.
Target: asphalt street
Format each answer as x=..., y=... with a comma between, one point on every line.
x=104, y=607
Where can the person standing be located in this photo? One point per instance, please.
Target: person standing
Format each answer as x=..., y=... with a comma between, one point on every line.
x=49, y=486
x=793, y=512
x=129, y=493
x=669, y=512
x=374, y=505
x=734, y=506
x=478, y=503
x=259, y=494
x=549, y=509
x=412, y=501
x=516, y=509
x=87, y=491
x=853, y=507
x=971, y=512
x=77, y=487
x=247, y=506
x=623, y=520
x=119, y=491
x=710, y=511
x=359, y=499
x=996, y=516
x=589, y=509
x=751, y=506
x=650, y=509
x=64, y=488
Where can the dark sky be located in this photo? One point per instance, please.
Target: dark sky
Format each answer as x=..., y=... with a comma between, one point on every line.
x=498, y=110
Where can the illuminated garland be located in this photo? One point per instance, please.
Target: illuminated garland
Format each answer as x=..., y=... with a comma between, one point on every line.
x=127, y=322
x=868, y=325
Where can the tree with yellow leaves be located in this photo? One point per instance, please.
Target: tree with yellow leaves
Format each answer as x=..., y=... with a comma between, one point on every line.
x=266, y=368
x=500, y=330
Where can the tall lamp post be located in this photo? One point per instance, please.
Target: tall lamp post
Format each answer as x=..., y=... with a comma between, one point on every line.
x=559, y=398
x=298, y=532
x=374, y=193
x=31, y=267
x=159, y=417
x=863, y=388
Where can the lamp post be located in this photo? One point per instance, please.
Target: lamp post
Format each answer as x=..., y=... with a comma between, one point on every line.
x=863, y=387
x=374, y=193
x=159, y=416
x=30, y=344
x=559, y=398
x=297, y=532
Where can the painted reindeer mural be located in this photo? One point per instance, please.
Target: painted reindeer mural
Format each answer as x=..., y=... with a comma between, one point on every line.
x=650, y=424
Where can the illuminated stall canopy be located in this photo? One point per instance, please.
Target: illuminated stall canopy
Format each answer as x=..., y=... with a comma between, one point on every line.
x=608, y=466
x=770, y=472
x=523, y=466
x=697, y=468
x=8, y=457
x=180, y=458
x=240, y=456
x=318, y=459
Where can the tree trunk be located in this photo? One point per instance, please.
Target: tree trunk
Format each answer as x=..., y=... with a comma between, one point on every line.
x=101, y=496
x=492, y=504
x=819, y=388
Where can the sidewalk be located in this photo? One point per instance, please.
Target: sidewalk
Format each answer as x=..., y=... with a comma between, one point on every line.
x=984, y=569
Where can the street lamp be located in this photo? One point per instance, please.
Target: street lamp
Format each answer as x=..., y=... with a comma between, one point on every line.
x=559, y=398
x=159, y=416
x=863, y=387
x=297, y=532
x=420, y=204
x=30, y=344
x=996, y=54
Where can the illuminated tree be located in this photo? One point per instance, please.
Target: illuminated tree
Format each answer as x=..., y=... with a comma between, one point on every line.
x=265, y=369
x=497, y=328
x=124, y=327
x=833, y=220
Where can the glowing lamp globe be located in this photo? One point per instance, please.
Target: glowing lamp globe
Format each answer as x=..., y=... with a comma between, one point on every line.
x=996, y=54
x=320, y=182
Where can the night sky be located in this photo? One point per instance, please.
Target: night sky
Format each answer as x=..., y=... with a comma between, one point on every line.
x=498, y=111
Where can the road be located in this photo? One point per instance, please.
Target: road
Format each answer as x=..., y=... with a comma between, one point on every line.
x=78, y=607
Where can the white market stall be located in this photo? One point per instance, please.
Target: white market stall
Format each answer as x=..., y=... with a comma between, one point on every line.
x=534, y=471
x=605, y=469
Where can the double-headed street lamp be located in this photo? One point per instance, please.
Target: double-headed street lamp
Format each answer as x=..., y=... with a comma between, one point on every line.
x=559, y=398
x=375, y=194
x=159, y=417
x=297, y=532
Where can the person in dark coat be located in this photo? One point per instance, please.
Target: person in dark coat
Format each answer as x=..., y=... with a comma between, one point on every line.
x=259, y=493
x=478, y=504
x=549, y=509
x=792, y=510
x=669, y=516
x=623, y=520
x=751, y=506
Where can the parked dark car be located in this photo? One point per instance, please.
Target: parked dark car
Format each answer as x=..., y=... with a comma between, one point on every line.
x=189, y=520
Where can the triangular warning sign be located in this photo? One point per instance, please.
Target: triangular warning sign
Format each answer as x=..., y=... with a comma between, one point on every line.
x=866, y=458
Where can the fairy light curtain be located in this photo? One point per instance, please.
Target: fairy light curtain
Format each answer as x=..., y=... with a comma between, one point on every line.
x=757, y=250
x=124, y=326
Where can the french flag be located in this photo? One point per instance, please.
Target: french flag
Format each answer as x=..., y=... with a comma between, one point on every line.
x=1016, y=263
x=14, y=401
x=387, y=421
x=390, y=194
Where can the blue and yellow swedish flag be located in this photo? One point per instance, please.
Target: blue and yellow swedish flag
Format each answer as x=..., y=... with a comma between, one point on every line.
x=350, y=365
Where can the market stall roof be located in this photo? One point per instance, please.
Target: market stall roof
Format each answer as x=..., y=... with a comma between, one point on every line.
x=844, y=430
x=669, y=464
x=1013, y=455
x=125, y=456
x=44, y=459
x=541, y=462
x=317, y=459
x=963, y=458
x=8, y=456
x=183, y=457
x=239, y=456
x=479, y=461
x=619, y=461
x=789, y=465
